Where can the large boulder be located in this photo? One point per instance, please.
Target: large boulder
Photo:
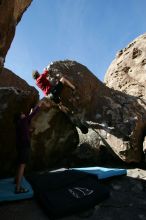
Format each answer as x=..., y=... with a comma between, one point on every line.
x=10, y=79
x=127, y=72
x=54, y=139
x=10, y=14
x=120, y=115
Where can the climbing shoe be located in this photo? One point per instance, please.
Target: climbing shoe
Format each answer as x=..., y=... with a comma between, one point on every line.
x=83, y=128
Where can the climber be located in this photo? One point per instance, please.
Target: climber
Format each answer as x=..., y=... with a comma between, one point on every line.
x=50, y=91
x=22, y=125
x=53, y=92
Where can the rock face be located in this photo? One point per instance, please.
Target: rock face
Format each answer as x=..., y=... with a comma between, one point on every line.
x=54, y=138
x=127, y=73
x=10, y=79
x=120, y=115
x=10, y=14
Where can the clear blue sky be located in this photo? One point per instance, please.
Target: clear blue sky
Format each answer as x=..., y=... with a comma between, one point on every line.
x=87, y=31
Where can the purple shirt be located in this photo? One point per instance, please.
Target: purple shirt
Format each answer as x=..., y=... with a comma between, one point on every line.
x=23, y=126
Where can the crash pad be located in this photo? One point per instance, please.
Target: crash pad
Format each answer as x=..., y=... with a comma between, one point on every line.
x=65, y=192
x=102, y=172
x=7, y=190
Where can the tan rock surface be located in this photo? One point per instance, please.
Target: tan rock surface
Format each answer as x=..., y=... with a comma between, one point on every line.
x=54, y=138
x=127, y=72
x=10, y=14
x=10, y=79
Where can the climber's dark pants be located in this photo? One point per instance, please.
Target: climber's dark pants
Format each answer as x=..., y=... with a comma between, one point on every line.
x=56, y=92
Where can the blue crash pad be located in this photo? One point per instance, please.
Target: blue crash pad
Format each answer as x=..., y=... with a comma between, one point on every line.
x=102, y=172
x=7, y=190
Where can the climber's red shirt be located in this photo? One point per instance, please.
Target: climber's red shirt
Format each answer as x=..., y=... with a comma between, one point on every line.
x=43, y=83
